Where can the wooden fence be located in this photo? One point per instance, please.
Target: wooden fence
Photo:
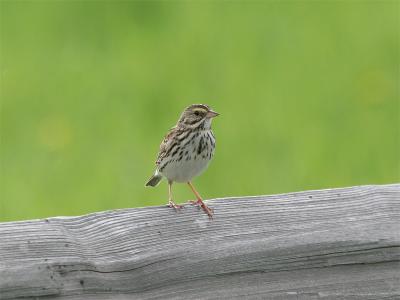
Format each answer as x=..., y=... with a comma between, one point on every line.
x=328, y=244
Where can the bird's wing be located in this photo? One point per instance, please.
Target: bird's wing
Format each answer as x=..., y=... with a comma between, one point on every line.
x=167, y=144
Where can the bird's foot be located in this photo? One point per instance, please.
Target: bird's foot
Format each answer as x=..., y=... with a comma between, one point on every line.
x=209, y=211
x=194, y=202
x=175, y=206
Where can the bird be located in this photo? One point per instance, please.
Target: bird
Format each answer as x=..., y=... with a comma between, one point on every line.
x=186, y=151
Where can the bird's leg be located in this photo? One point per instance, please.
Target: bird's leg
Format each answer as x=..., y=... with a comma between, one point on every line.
x=200, y=202
x=170, y=202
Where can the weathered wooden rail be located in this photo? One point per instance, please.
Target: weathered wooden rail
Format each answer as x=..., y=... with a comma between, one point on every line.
x=328, y=244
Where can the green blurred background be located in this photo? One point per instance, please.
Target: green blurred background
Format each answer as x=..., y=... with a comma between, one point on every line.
x=308, y=94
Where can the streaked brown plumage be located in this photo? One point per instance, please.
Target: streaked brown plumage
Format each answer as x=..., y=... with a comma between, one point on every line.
x=186, y=151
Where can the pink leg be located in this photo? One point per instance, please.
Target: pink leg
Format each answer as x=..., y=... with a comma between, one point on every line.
x=170, y=202
x=200, y=202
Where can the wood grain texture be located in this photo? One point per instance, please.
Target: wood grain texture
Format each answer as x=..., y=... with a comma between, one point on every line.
x=328, y=244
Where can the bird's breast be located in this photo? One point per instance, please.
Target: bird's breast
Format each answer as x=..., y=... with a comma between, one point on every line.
x=190, y=157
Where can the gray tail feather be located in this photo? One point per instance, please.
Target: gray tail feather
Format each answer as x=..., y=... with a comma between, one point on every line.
x=154, y=180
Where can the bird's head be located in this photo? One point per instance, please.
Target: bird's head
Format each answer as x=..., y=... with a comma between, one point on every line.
x=197, y=115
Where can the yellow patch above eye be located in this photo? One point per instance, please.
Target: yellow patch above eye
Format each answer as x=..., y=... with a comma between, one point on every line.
x=200, y=110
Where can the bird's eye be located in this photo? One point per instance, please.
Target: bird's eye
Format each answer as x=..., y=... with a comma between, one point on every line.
x=197, y=113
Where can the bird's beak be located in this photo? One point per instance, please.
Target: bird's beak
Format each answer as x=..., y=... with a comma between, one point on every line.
x=212, y=114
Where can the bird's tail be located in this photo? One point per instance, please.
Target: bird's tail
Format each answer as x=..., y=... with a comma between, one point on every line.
x=154, y=180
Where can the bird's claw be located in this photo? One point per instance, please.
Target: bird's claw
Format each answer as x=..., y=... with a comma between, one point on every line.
x=199, y=203
x=175, y=206
x=194, y=202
